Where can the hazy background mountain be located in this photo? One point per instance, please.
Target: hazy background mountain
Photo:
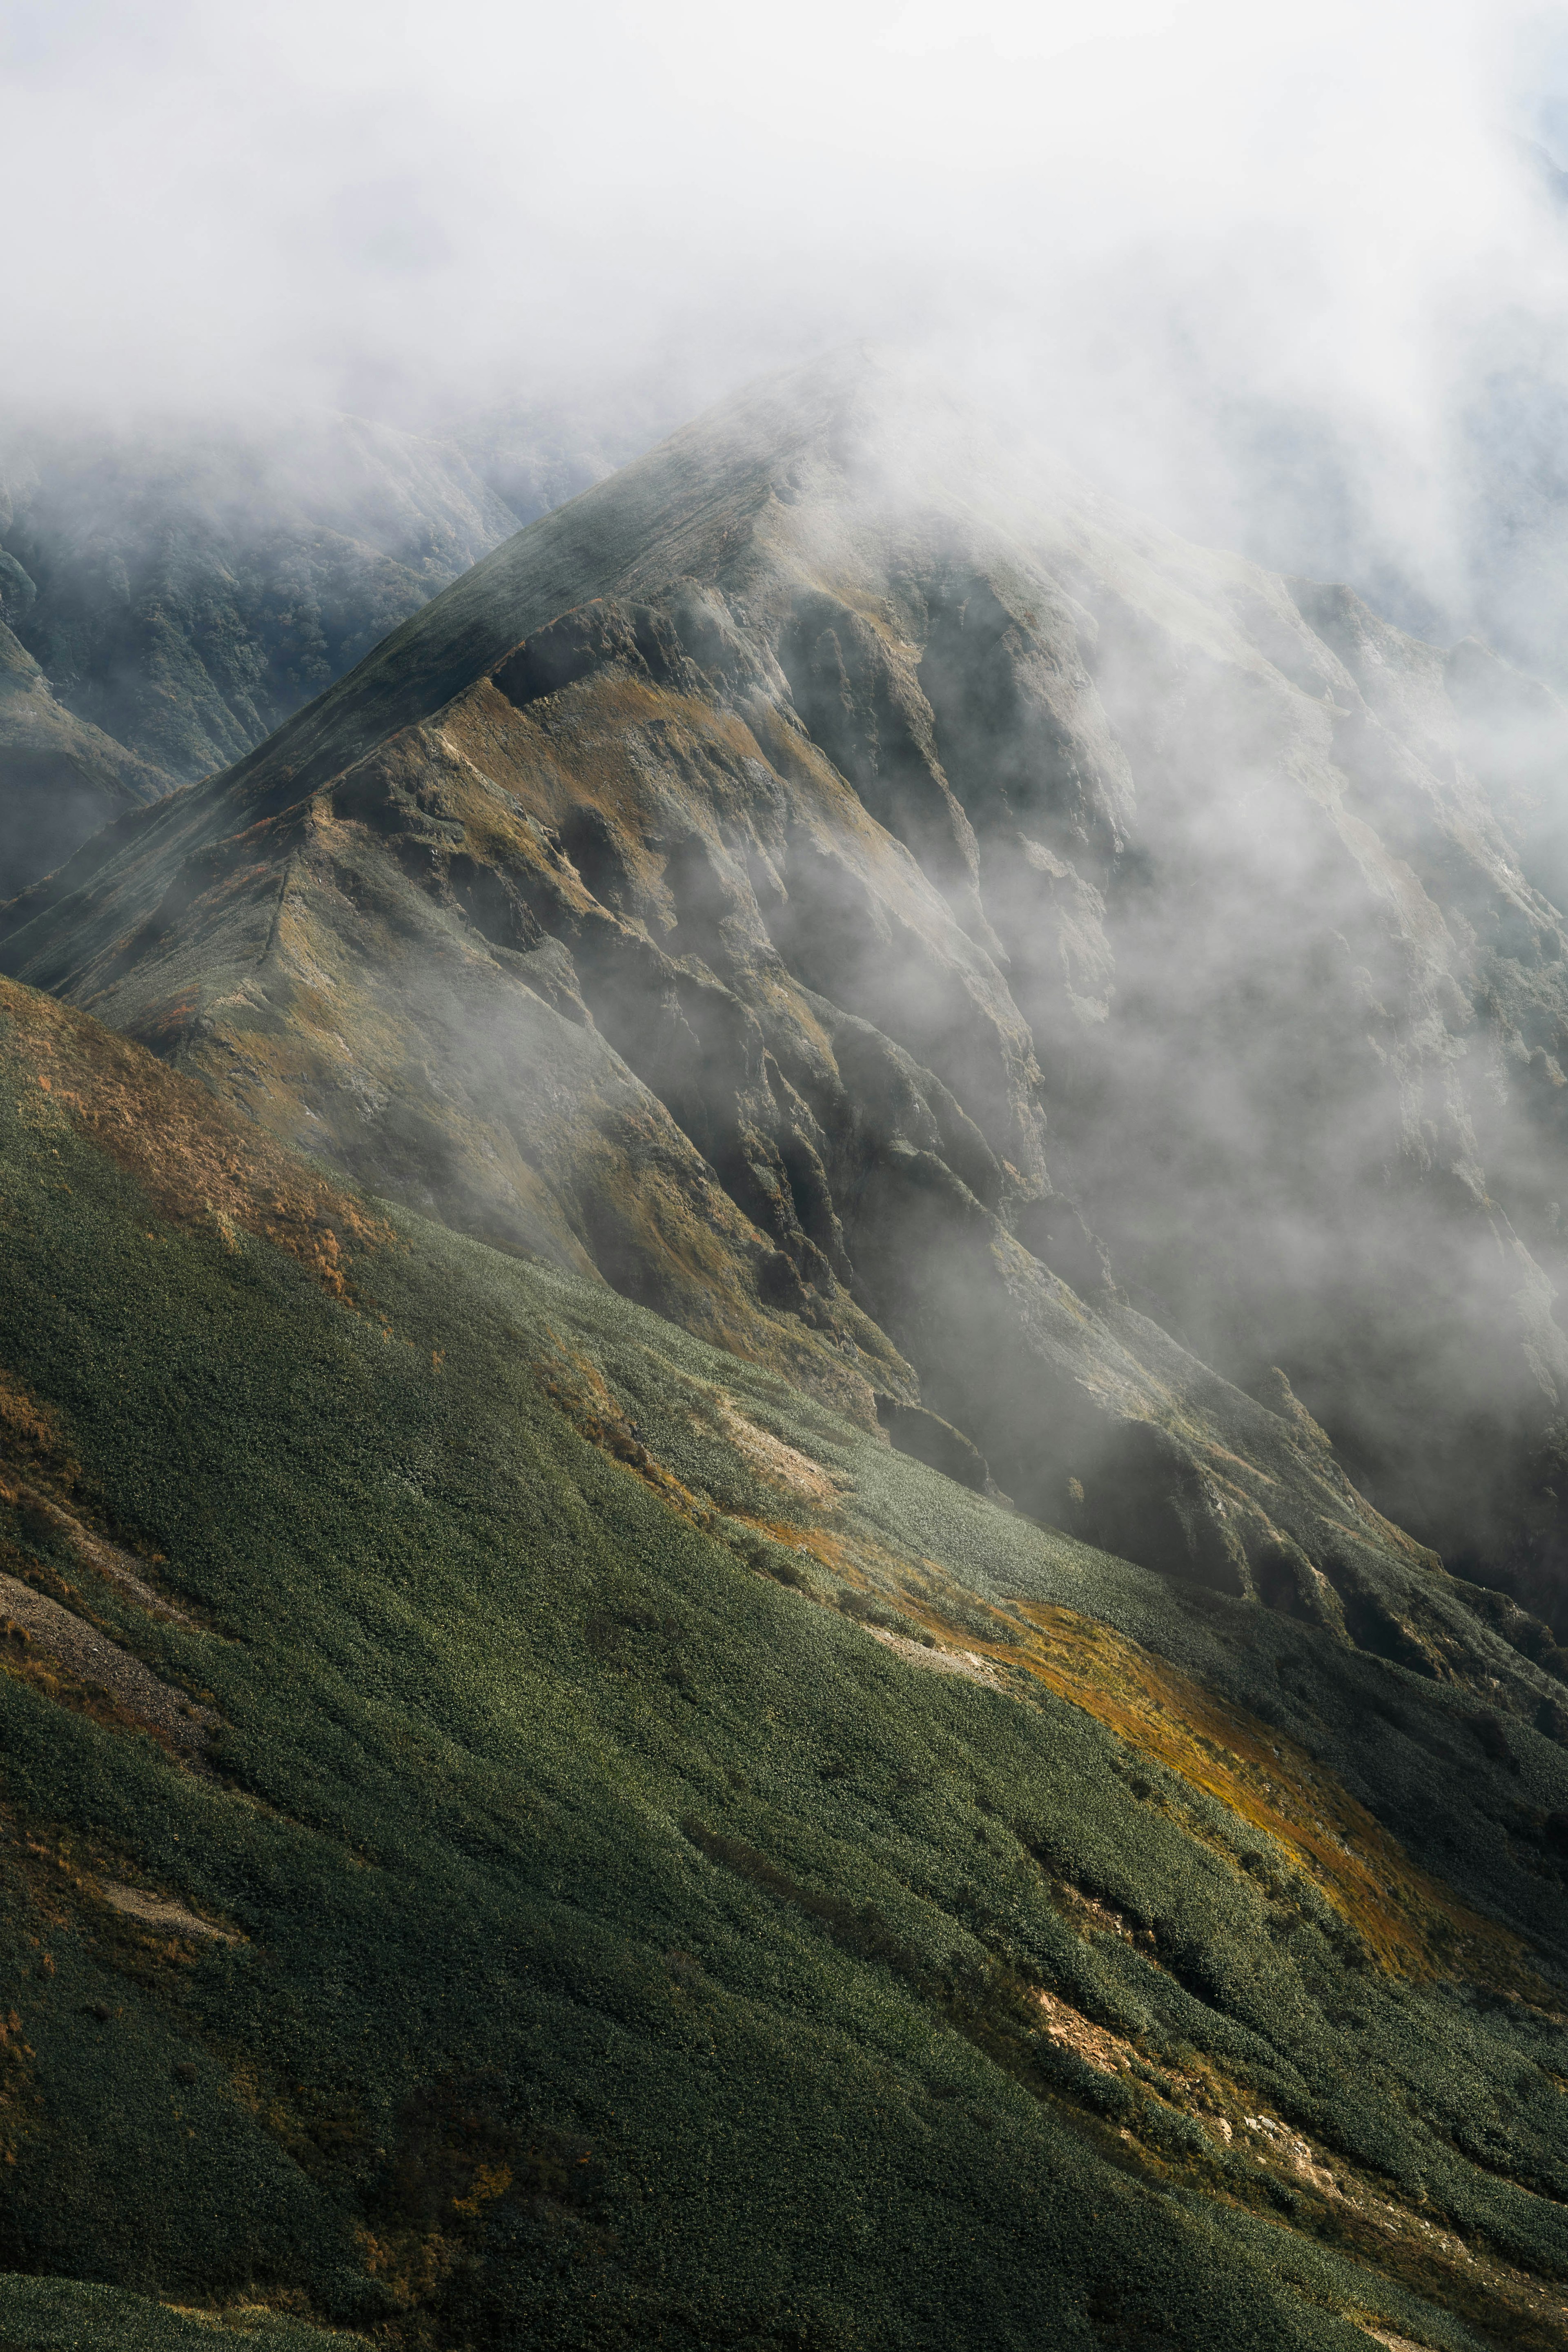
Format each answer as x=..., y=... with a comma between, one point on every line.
x=184, y=586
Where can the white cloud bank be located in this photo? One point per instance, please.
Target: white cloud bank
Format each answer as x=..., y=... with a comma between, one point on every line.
x=1171, y=228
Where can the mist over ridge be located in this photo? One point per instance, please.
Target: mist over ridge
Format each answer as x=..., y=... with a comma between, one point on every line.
x=1295, y=286
x=886, y=774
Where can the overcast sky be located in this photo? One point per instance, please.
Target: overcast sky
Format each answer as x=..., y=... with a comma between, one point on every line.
x=1130, y=212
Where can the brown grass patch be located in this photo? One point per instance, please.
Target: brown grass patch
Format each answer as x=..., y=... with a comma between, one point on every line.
x=575, y=1385
x=198, y=1162
x=27, y=1424
x=1409, y=1921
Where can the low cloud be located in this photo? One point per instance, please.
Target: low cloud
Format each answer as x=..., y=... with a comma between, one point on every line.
x=1274, y=274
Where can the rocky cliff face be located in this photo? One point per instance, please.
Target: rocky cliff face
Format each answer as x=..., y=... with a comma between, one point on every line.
x=1061, y=992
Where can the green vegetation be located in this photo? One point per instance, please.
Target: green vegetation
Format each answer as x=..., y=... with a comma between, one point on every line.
x=42, y=2314
x=592, y=1933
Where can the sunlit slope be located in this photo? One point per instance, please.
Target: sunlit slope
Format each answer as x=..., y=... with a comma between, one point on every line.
x=519, y=1827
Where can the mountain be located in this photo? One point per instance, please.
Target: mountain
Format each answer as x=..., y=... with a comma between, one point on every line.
x=1068, y=993
x=61, y=777
x=519, y=1827
x=181, y=588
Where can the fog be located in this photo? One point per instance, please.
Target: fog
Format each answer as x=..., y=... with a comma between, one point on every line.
x=1256, y=270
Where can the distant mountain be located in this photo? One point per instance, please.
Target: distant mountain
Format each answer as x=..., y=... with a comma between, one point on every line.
x=535, y=454
x=61, y=777
x=520, y=1828
x=181, y=590
x=1062, y=992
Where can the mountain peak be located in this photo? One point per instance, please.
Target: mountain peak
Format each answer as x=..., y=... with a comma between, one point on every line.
x=811, y=879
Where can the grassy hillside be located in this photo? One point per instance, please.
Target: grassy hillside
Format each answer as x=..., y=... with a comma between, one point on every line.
x=518, y=1827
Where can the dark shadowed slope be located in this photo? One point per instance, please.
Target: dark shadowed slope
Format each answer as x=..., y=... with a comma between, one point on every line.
x=840, y=879
x=518, y=1827
x=60, y=778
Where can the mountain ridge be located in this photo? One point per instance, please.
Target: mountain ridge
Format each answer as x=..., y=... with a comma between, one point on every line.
x=63, y=778
x=721, y=884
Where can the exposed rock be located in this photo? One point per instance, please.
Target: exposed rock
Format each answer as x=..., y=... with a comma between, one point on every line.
x=934, y=1442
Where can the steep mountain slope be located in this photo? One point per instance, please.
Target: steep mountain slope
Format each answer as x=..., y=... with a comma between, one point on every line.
x=721, y=885
x=520, y=1828
x=183, y=589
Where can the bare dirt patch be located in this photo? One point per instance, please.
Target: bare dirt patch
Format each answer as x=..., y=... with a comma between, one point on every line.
x=159, y=1911
x=967, y=1663
x=781, y=1465
x=1099, y=2048
x=37, y=1631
